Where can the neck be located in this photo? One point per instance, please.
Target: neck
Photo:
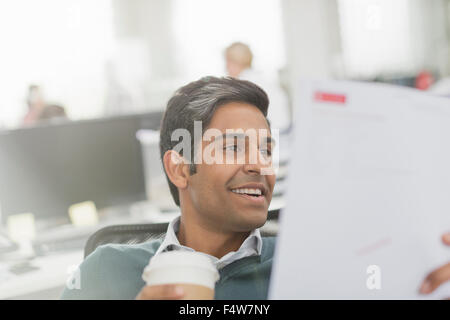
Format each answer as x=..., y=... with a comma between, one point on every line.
x=203, y=238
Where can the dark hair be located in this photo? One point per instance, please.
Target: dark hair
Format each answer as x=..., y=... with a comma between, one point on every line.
x=198, y=101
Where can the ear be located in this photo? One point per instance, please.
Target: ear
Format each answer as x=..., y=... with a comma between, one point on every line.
x=176, y=168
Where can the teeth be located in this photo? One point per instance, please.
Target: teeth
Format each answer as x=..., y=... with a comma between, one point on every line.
x=248, y=191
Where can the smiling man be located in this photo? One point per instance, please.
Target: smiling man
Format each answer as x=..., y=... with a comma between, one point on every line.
x=222, y=204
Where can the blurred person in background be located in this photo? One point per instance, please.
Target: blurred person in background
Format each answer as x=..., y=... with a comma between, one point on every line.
x=52, y=112
x=36, y=103
x=238, y=57
x=41, y=111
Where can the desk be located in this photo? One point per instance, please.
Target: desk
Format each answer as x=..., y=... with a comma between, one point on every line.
x=49, y=280
x=51, y=276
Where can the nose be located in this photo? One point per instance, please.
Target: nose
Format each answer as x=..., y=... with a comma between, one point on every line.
x=252, y=169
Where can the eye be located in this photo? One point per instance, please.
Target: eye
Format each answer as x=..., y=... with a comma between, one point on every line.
x=266, y=152
x=232, y=147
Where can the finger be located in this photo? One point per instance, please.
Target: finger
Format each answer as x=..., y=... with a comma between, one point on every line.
x=167, y=291
x=156, y=294
x=162, y=292
x=435, y=279
x=446, y=238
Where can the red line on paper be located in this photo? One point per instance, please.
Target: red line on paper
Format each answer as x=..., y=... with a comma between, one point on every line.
x=330, y=97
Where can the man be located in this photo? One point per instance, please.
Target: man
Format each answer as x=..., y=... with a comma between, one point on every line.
x=216, y=218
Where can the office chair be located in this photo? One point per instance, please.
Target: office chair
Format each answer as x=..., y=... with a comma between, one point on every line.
x=139, y=233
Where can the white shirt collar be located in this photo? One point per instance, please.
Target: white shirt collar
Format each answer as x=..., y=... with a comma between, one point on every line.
x=251, y=246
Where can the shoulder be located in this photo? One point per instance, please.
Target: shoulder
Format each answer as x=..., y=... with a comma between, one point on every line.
x=115, y=258
x=130, y=250
x=269, y=241
x=113, y=271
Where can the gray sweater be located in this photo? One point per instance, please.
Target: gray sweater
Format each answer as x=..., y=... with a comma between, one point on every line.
x=114, y=271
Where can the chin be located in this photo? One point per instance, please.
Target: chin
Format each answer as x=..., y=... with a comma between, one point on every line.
x=249, y=223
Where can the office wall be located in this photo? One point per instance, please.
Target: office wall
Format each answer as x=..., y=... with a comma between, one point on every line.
x=312, y=39
x=145, y=43
x=431, y=30
x=149, y=20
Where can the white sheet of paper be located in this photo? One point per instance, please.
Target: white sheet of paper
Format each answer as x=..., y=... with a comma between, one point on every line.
x=368, y=184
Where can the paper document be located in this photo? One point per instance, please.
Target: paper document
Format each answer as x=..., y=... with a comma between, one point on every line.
x=368, y=193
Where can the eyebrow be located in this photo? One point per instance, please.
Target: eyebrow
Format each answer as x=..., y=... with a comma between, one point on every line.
x=239, y=135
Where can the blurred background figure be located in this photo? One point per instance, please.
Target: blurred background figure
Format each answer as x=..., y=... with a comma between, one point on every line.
x=36, y=103
x=53, y=112
x=39, y=110
x=238, y=58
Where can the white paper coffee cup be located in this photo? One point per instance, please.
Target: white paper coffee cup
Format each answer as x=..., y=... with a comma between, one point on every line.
x=192, y=270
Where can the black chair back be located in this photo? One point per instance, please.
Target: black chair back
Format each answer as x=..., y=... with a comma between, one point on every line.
x=125, y=234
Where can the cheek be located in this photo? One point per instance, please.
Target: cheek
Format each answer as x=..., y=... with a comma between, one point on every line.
x=210, y=181
x=216, y=178
x=271, y=180
x=201, y=193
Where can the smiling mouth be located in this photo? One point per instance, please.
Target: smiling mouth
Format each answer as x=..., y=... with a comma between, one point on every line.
x=255, y=195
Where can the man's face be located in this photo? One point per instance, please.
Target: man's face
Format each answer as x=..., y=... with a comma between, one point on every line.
x=210, y=188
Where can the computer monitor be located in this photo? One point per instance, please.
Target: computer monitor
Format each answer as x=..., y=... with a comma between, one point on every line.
x=46, y=169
